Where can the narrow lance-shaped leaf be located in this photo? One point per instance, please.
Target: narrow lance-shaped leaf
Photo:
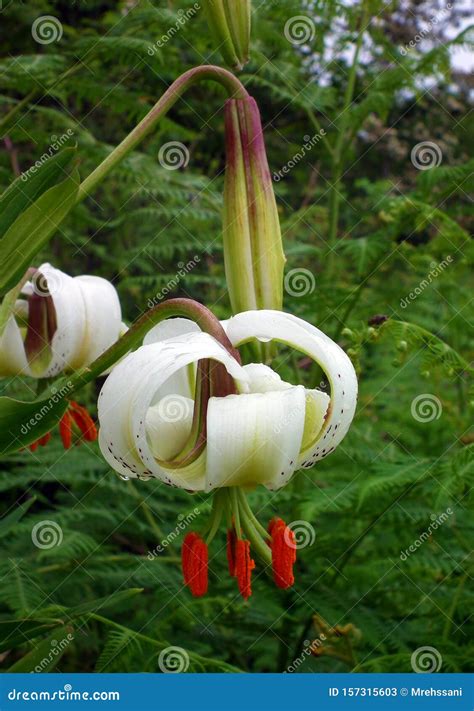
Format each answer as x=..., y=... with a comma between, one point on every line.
x=32, y=229
x=28, y=187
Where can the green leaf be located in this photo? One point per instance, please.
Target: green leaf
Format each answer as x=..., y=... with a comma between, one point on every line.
x=103, y=603
x=32, y=229
x=13, y=633
x=16, y=515
x=45, y=656
x=22, y=423
x=23, y=192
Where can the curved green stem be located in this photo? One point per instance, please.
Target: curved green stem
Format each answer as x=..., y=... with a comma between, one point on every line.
x=235, y=510
x=218, y=508
x=233, y=86
x=186, y=308
x=251, y=515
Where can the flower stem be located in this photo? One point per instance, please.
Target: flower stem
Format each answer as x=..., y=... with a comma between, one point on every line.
x=233, y=86
x=186, y=308
x=235, y=510
x=218, y=506
x=251, y=515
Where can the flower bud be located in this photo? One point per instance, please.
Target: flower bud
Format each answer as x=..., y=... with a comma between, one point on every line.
x=253, y=251
x=229, y=22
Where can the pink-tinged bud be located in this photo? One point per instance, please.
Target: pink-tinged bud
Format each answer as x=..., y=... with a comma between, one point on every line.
x=253, y=252
x=229, y=22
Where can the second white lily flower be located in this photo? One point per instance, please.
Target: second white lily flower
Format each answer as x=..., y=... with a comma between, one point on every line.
x=60, y=323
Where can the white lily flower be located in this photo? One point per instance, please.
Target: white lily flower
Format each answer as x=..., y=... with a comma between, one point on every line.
x=60, y=323
x=259, y=436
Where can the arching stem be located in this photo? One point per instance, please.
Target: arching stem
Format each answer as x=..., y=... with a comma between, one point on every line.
x=234, y=89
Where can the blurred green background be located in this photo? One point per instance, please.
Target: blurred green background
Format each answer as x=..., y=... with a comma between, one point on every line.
x=375, y=218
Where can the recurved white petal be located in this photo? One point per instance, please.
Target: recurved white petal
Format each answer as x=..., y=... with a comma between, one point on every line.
x=262, y=379
x=129, y=392
x=182, y=382
x=12, y=351
x=254, y=438
x=275, y=325
x=168, y=425
x=103, y=319
x=70, y=317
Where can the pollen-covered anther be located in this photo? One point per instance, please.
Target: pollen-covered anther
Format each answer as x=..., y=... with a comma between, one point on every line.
x=283, y=547
x=75, y=415
x=244, y=565
x=83, y=421
x=194, y=558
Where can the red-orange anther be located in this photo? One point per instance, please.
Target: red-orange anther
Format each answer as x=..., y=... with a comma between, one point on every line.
x=283, y=547
x=65, y=429
x=83, y=420
x=41, y=442
x=194, y=558
x=243, y=567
